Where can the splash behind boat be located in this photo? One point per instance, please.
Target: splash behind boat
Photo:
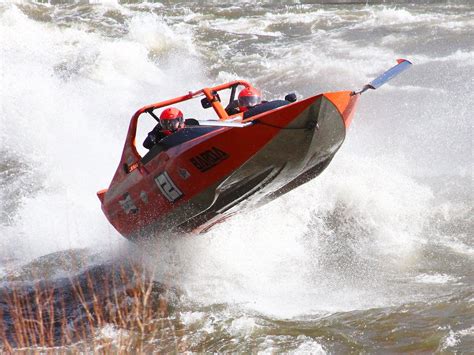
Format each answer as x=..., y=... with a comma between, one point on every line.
x=202, y=174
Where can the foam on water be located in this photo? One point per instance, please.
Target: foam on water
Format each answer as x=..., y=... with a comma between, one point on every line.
x=389, y=16
x=455, y=337
x=315, y=250
x=308, y=346
x=435, y=279
x=70, y=94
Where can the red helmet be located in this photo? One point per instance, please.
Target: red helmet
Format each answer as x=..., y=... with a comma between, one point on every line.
x=248, y=98
x=171, y=119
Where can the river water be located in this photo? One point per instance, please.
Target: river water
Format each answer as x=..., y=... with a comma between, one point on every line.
x=376, y=254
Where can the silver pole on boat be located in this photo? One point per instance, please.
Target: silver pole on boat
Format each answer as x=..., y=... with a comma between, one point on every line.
x=402, y=65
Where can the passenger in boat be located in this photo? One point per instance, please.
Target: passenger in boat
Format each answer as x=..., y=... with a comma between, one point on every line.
x=251, y=104
x=171, y=120
x=249, y=98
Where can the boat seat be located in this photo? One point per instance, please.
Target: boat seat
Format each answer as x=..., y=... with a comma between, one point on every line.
x=232, y=108
x=266, y=106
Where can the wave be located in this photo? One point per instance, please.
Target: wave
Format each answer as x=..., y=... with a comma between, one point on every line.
x=67, y=125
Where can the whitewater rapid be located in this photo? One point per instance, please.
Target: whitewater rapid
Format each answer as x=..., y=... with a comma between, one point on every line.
x=352, y=239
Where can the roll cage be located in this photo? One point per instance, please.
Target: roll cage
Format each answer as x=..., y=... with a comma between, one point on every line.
x=211, y=99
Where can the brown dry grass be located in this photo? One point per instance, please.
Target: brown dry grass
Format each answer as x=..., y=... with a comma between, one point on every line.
x=121, y=311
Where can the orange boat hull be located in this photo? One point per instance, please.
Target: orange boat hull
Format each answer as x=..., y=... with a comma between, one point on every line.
x=220, y=170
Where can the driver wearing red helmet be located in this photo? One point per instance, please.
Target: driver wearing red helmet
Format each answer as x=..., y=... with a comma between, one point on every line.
x=171, y=120
x=249, y=98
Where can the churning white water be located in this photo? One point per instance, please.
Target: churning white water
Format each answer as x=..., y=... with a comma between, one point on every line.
x=66, y=101
x=357, y=237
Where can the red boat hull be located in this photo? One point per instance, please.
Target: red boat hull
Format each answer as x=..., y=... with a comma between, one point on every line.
x=193, y=185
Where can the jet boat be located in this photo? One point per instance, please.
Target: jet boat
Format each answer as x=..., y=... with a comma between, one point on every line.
x=214, y=168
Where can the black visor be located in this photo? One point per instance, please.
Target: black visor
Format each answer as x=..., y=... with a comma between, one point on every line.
x=249, y=101
x=171, y=125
